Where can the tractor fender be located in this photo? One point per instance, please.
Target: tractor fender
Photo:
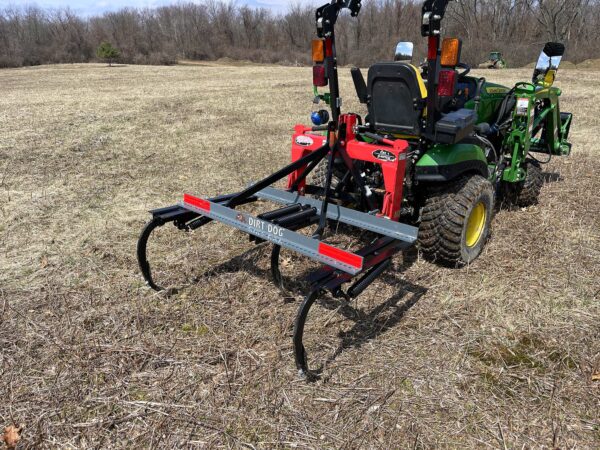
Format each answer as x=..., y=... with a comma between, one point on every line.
x=444, y=162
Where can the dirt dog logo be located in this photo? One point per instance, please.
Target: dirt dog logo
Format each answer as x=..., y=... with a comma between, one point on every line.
x=304, y=141
x=384, y=155
x=265, y=227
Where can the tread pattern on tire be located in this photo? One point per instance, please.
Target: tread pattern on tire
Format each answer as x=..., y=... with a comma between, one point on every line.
x=443, y=217
x=528, y=191
x=318, y=176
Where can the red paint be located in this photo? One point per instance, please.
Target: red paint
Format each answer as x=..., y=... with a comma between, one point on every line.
x=341, y=255
x=196, y=202
x=350, y=121
x=352, y=150
x=433, y=45
x=299, y=151
x=328, y=47
x=393, y=171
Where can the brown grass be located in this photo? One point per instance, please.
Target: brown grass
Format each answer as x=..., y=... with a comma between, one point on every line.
x=499, y=354
x=593, y=64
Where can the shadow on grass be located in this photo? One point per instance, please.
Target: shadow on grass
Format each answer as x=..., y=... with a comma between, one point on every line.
x=370, y=324
x=367, y=325
x=506, y=198
x=552, y=177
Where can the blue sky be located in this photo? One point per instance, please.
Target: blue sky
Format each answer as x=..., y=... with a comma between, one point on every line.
x=90, y=7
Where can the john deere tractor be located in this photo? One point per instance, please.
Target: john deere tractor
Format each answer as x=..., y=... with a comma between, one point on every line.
x=437, y=149
x=495, y=61
x=471, y=142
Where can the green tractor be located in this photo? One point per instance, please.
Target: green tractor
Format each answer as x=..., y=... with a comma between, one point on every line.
x=495, y=61
x=472, y=142
x=437, y=149
x=496, y=161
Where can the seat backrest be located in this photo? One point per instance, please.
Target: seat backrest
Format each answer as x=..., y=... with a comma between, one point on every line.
x=396, y=98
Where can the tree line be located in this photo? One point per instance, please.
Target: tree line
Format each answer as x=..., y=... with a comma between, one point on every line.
x=211, y=29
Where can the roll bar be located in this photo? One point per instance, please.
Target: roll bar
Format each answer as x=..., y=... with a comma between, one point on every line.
x=327, y=15
x=433, y=13
x=326, y=18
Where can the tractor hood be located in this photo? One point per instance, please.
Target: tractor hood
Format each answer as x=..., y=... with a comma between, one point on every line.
x=492, y=95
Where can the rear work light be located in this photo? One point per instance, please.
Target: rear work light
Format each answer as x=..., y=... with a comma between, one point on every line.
x=319, y=75
x=447, y=83
x=318, y=50
x=451, y=52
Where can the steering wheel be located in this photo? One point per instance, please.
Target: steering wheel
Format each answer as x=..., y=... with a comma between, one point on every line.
x=465, y=72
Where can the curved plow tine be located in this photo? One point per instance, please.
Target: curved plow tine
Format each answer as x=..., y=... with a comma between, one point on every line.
x=281, y=227
x=275, y=271
x=181, y=218
x=142, y=255
x=299, y=350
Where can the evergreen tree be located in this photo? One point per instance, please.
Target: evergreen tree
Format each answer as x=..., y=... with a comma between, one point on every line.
x=108, y=53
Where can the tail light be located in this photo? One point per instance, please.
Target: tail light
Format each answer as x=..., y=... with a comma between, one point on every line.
x=447, y=83
x=319, y=75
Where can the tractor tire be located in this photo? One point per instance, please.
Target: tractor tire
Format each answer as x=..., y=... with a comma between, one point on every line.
x=318, y=176
x=527, y=192
x=455, y=221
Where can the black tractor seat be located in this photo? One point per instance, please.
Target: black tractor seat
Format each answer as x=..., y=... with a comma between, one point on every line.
x=395, y=95
x=396, y=98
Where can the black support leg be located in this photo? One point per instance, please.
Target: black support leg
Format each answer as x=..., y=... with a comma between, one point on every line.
x=142, y=252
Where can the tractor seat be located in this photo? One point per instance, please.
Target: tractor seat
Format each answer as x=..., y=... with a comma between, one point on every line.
x=396, y=98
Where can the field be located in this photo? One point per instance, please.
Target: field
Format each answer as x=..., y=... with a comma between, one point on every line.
x=500, y=354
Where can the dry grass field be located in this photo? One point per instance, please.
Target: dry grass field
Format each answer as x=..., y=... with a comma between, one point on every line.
x=500, y=354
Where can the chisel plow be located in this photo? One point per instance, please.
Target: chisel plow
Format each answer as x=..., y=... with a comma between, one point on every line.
x=436, y=150
x=282, y=225
x=315, y=207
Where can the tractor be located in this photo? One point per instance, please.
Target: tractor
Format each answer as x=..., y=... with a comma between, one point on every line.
x=495, y=61
x=426, y=166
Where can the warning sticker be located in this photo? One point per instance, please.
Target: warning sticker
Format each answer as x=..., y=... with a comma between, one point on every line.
x=522, y=106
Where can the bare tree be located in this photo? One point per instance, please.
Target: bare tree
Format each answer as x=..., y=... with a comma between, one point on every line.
x=557, y=16
x=210, y=29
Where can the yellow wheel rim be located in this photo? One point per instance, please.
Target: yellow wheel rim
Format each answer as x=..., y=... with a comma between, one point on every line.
x=475, y=225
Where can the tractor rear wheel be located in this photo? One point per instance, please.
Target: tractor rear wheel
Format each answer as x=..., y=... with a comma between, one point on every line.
x=318, y=176
x=527, y=192
x=455, y=220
